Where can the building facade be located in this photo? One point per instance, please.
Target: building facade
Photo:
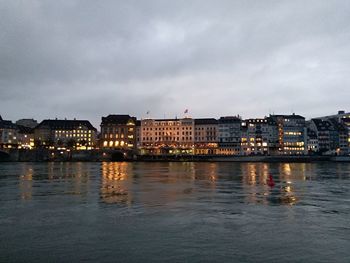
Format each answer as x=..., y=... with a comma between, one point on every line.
x=292, y=135
x=8, y=134
x=118, y=132
x=25, y=137
x=206, y=136
x=342, y=118
x=332, y=136
x=167, y=136
x=69, y=134
x=312, y=142
x=229, y=135
x=259, y=137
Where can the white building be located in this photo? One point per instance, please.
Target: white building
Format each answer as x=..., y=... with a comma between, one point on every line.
x=167, y=136
x=206, y=136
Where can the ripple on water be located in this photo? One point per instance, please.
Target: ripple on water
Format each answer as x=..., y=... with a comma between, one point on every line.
x=174, y=212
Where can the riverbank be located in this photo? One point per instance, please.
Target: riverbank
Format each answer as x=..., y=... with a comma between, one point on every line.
x=44, y=155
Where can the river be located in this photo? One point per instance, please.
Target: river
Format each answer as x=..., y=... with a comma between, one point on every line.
x=174, y=212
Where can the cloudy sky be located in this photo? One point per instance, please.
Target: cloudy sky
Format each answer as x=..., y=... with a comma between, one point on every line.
x=87, y=59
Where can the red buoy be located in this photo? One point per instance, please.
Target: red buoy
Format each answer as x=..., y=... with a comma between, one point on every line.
x=270, y=181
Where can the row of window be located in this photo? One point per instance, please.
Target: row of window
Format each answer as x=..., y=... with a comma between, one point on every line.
x=84, y=136
x=205, y=138
x=117, y=130
x=166, y=133
x=72, y=131
x=167, y=129
x=116, y=144
x=166, y=138
x=207, y=128
x=111, y=136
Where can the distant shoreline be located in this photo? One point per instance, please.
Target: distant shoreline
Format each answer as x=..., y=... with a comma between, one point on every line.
x=99, y=156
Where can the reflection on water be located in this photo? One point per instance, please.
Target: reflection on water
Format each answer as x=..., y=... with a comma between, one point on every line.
x=26, y=183
x=178, y=212
x=255, y=176
x=187, y=178
x=114, y=187
x=118, y=180
x=68, y=178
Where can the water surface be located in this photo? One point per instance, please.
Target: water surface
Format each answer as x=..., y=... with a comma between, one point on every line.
x=174, y=212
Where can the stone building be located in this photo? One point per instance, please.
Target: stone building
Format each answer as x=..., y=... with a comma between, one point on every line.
x=74, y=134
x=167, y=136
x=206, y=136
x=118, y=132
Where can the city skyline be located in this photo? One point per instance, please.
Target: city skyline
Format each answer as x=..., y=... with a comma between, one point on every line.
x=87, y=59
x=148, y=115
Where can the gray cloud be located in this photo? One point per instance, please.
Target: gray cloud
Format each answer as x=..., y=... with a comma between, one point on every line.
x=87, y=59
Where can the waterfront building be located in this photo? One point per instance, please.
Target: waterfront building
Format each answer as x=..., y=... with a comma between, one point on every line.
x=206, y=136
x=345, y=120
x=342, y=118
x=25, y=137
x=138, y=134
x=229, y=135
x=312, y=142
x=8, y=134
x=332, y=136
x=291, y=134
x=74, y=134
x=259, y=137
x=118, y=132
x=167, y=136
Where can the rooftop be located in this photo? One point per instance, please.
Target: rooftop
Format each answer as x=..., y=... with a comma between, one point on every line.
x=65, y=124
x=121, y=119
x=204, y=121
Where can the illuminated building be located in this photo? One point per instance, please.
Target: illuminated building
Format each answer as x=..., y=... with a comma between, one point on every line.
x=259, y=137
x=25, y=137
x=342, y=118
x=206, y=136
x=167, y=136
x=8, y=134
x=229, y=135
x=75, y=134
x=291, y=134
x=312, y=142
x=118, y=132
x=332, y=136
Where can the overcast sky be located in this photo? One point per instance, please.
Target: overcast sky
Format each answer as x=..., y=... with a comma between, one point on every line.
x=87, y=59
